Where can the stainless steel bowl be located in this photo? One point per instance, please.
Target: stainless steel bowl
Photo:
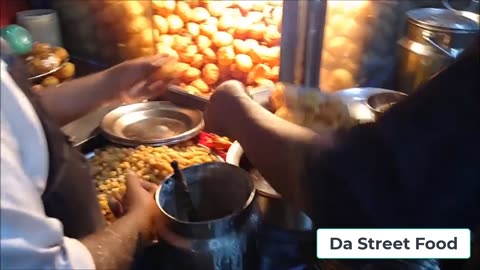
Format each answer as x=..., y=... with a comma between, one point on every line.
x=274, y=210
x=151, y=123
x=379, y=103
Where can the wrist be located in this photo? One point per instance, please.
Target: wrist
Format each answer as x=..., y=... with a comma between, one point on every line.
x=238, y=113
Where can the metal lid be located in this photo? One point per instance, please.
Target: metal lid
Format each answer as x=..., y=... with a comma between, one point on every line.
x=151, y=123
x=442, y=18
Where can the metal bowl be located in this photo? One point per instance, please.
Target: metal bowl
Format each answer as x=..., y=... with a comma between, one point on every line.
x=45, y=74
x=151, y=123
x=274, y=210
x=381, y=102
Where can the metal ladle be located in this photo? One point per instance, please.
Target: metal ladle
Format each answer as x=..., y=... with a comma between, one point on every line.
x=185, y=209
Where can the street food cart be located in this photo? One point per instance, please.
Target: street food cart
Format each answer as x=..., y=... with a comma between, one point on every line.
x=338, y=47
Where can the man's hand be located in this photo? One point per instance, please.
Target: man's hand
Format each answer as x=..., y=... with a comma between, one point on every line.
x=223, y=101
x=139, y=202
x=130, y=81
x=115, y=246
x=137, y=78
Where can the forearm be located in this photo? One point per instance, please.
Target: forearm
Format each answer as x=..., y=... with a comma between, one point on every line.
x=115, y=246
x=71, y=100
x=277, y=148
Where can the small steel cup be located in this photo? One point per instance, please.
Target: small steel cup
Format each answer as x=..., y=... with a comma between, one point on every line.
x=380, y=103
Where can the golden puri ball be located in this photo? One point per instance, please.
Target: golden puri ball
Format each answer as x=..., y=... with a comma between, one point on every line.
x=201, y=85
x=61, y=53
x=222, y=39
x=210, y=74
x=175, y=23
x=244, y=62
x=199, y=14
x=66, y=72
x=50, y=81
x=225, y=56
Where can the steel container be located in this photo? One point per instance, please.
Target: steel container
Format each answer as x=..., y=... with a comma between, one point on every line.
x=224, y=238
x=434, y=38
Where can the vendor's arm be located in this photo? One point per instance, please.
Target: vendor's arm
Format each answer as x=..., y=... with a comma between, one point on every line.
x=29, y=238
x=276, y=147
x=115, y=246
x=416, y=167
x=73, y=99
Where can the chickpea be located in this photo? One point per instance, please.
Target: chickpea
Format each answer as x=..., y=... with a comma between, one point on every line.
x=210, y=74
x=199, y=14
x=225, y=56
x=175, y=23
x=200, y=85
x=203, y=42
x=161, y=24
x=222, y=39
x=191, y=74
x=243, y=62
x=193, y=29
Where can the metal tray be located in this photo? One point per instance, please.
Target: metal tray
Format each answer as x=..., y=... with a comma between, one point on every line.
x=151, y=123
x=356, y=100
x=39, y=76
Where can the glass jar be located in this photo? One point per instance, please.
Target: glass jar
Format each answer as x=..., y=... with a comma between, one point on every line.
x=359, y=44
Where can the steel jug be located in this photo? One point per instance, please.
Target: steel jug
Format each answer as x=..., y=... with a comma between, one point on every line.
x=434, y=38
x=224, y=238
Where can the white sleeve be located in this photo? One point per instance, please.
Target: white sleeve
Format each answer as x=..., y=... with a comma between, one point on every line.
x=29, y=238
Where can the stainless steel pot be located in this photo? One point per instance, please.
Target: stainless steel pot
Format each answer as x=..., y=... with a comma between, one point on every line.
x=274, y=210
x=223, y=197
x=434, y=38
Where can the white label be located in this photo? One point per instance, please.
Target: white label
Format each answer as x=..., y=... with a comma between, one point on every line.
x=393, y=243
